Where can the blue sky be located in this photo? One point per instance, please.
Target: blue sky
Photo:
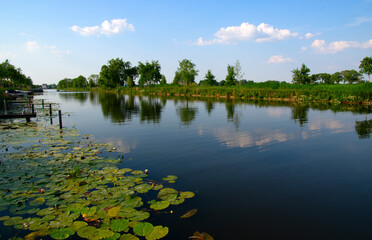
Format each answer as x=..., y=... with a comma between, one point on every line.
x=51, y=40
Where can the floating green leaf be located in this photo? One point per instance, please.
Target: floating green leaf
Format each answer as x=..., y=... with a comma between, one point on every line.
x=114, y=237
x=88, y=232
x=112, y=212
x=119, y=225
x=4, y=218
x=77, y=225
x=13, y=221
x=143, y=228
x=190, y=213
x=160, y=205
x=170, y=178
x=168, y=194
x=128, y=237
x=187, y=194
x=158, y=233
x=37, y=201
x=62, y=233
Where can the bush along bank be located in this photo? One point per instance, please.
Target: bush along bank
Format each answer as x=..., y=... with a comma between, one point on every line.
x=349, y=94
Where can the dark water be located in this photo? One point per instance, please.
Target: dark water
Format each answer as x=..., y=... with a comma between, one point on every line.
x=259, y=170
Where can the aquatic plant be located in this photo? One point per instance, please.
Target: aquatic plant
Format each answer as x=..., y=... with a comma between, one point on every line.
x=59, y=183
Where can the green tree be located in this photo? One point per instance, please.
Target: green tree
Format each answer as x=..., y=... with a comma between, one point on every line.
x=314, y=78
x=325, y=78
x=93, y=80
x=79, y=82
x=186, y=73
x=163, y=80
x=336, y=77
x=231, y=76
x=130, y=82
x=210, y=79
x=116, y=73
x=351, y=76
x=149, y=73
x=366, y=67
x=301, y=76
x=12, y=76
x=65, y=83
x=238, y=71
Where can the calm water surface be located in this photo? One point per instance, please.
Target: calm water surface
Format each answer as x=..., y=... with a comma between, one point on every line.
x=259, y=170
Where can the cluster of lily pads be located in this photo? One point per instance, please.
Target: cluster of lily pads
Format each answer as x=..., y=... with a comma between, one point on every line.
x=58, y=183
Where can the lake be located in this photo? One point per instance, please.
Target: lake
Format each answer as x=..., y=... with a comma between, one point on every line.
x=260, y=170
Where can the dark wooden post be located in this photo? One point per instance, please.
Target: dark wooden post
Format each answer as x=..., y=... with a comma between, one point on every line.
x=4, y=107
x=42, y=102
x=60, y=119
x=50, y=110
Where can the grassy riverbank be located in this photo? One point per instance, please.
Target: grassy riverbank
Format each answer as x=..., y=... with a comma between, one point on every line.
x=275, y=91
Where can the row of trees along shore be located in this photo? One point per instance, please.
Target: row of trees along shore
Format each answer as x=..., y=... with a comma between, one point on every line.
x=119, y=73
x=12, y=77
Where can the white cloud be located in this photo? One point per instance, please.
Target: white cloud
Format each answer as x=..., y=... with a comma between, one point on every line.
x=279, y=59
x=52, y=49
x=309, y=35
x=359, y=21
x=321, y=46
x=303, y=48
x=32, y=45
x=107, y=28
x=247, y=32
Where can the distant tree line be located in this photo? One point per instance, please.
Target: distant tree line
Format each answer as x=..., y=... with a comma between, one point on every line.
x=302, y=76
x=10, y=76
x=118, y=73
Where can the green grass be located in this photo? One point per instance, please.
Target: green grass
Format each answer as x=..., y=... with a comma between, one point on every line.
x=357, y=93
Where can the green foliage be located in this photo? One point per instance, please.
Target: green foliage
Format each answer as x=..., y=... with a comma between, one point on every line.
x=116, y=73
x=301, y=76
x=93, y=80
x=10, y=76
x=163, y=80
x=209, y=80
x=336, y=77
x=149, y=73
x=351, y=76
x=79, y=82
x=231, y=76
x=366, y=66
x=143, y=228
x=186, y=73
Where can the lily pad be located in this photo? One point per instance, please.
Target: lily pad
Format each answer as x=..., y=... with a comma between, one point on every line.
x=4, y=218
x=158, y=233
x=168, y=194
x=88, y=232
x=13, y=221
x=77, y=225
x=62, y=233
x=112, y=212
x=128, y=237
x=187, y=194
x=170, y=178
x=160, y=205
x=119, y=225
x=37, y=202
x=114, y=237
x=203, y=236
x=190, y=213
x=143, y=229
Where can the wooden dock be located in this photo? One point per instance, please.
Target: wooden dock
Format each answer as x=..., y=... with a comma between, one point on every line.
x=27, y=116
